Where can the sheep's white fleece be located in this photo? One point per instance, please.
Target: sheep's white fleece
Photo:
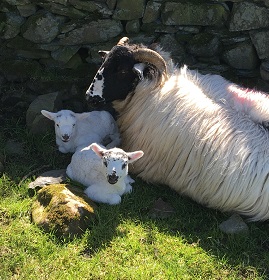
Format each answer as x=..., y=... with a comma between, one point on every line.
x=203, y=137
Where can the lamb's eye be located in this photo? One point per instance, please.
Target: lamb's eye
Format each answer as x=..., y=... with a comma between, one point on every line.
x=74, y=125
x=57, y=124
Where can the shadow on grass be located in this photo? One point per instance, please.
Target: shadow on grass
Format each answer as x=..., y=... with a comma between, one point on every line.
x=193, y=222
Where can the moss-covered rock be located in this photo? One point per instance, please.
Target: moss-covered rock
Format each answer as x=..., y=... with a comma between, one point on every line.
x=63, y=209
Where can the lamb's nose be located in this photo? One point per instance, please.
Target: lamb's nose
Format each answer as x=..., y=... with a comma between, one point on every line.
x=112, y=178
x=65, y=137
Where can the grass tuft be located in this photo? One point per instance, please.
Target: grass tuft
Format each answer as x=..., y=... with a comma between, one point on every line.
x=124, y=242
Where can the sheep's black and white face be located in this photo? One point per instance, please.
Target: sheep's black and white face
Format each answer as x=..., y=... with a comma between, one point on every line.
x=116, y=166
x=115, y=79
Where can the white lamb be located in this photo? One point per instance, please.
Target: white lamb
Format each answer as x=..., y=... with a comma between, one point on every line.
x=103, y=171
x=77, y=130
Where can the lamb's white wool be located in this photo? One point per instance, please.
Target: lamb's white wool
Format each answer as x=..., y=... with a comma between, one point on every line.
x=76, y=130
x=103, y=171
x=204, y=137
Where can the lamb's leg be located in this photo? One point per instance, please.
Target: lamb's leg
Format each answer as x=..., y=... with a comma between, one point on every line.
x=129, y=180
x=115, y=141
x=128, y=189
x=98, y=194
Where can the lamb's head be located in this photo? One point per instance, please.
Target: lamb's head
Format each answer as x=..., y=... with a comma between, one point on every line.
x=122, y=69
x=65, y=122
x=115, y=161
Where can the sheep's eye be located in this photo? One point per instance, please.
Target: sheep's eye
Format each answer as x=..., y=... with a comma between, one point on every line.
x=74, y=125
x=124, y=165
x=105, y=163
x=57, y=124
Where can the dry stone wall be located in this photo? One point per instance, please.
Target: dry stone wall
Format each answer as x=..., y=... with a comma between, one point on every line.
x=51, y=45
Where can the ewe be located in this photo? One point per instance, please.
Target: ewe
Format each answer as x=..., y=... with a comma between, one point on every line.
x=76, y=130
x=103, y=171
x=203, y=136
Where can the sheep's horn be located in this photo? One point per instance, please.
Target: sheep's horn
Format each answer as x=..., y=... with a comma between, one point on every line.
x=123, y=41
x=150, y=56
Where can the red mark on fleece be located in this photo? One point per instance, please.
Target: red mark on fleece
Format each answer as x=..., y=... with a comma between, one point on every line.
x=243, y=96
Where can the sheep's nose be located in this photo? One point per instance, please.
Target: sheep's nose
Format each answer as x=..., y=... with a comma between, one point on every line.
x=65, y=137
x=112, y=178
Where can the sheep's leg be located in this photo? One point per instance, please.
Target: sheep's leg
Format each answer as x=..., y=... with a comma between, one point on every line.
x=128, y=189
x=129, y=180
x=115, y=141
x=98, y=194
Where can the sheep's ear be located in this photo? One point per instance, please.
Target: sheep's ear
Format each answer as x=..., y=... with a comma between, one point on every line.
x=82, y=116
x=103, y=54
x=138, y=69
x=132, y=157
x=97, y=149
x=48, y=114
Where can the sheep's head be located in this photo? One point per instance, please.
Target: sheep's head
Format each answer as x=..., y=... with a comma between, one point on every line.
x=122, y=69
x=65, y=122
x=115, y=161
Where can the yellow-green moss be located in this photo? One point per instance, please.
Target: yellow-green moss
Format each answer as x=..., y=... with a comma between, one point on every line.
x=52, y=209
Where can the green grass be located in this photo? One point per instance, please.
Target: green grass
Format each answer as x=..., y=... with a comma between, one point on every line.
x=124, y=242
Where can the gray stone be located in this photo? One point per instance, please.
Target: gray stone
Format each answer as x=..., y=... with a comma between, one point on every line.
x=48, y=47
x=74, y=62
x=260, y=39
x=19, y=70
x=234, y=39
x=65, y=53
x=187, y=13
x=92, y=32
x=132, y=26
x=63, y=209
x=161, y=210
x=241, y=56
x=7, y=8
x=189, y=29
x=158, y=27
x=234, y=225
x=33, y=54
x=63, y=10
x=41, y=28
x=18, y=2
x=27, y=10
x=128, y=10
x=48, y=178
x=204, y=44
x=170, y=44
x=34, y=120
x=111, y=4
x=152, y=11
x=264, y=70
x=20, y=43
x=248, y=16
x=92, y=7
x=12, y=25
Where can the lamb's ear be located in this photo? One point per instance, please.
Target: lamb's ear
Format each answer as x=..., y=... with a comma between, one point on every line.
x=48, y=114
x=139, y=68
x=132, y=157
x=97, y=149
x=81, y=116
